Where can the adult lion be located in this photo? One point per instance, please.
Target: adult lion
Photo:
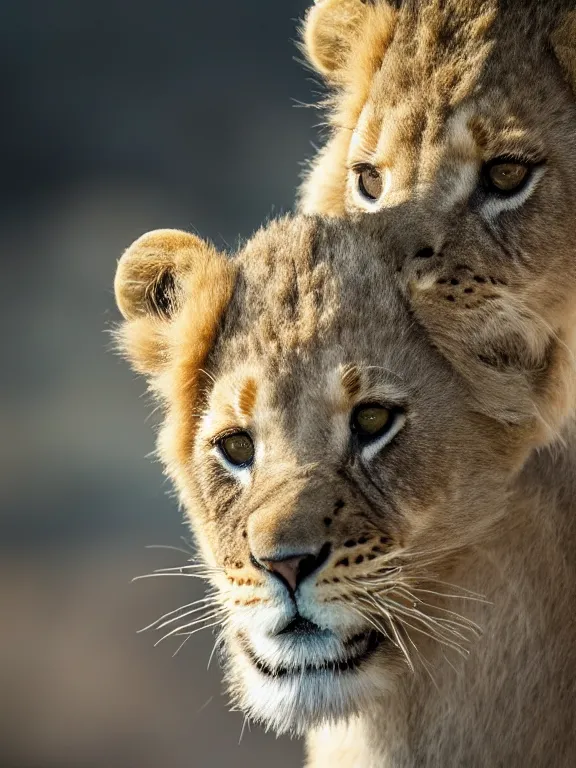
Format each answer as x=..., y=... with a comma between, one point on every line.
x=454, y=105
x=385, y=513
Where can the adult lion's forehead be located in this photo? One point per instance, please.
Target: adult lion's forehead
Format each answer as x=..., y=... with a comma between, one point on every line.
x=449, y=61
x=441, y=48
x=449, y=43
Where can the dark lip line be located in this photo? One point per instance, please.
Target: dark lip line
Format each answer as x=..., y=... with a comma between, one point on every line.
x=375, y=639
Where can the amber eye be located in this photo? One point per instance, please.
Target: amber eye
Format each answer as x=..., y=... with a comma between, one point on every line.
x=371, y=420
x=237, y=448
x=369, y=182
x=506, y=176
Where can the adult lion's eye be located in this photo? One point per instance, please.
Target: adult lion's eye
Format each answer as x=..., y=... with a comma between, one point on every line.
x=369, y=182
x=506, y=176
x=371, y=420
x=237, y=448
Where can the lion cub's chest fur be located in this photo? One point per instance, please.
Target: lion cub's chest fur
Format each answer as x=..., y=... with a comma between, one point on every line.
x=511, y=702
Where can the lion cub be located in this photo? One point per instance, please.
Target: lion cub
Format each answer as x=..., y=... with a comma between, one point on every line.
x=383, y=501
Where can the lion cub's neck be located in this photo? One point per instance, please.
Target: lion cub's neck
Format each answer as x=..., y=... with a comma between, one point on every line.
x=512, y=701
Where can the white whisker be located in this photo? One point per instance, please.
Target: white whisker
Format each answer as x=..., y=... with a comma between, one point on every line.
x=455, y=597
x=185, y=627
x=177, y=632
x=217, y=643
x=438, y=632
x=184, y=615
x=425, y=663
x=182, y=644
x=168, y=546
x=158, y=575
x=154, y=624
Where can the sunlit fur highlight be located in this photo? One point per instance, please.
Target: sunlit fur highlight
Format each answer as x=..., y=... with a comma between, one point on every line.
x=173, y=354
x=404, y=75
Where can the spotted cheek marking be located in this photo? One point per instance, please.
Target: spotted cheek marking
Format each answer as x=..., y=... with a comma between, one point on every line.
x=355, y=558
x=332, y=519
x=460, y=288
x=469, y=291
x=244, y=588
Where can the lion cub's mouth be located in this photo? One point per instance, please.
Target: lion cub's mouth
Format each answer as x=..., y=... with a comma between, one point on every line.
x=356, y=651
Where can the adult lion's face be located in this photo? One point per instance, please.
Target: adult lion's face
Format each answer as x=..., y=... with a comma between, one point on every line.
x=458, y=103
x=455, y=124
x=335, y=455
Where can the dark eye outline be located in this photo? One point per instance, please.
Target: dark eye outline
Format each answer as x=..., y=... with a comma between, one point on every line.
x=218, y=442
x=359, y=170
x=367, y=437
x=492, y=189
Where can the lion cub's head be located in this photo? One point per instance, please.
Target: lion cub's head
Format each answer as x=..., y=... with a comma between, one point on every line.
x=336, y=452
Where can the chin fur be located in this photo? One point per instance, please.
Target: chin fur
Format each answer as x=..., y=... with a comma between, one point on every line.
x=298, y=698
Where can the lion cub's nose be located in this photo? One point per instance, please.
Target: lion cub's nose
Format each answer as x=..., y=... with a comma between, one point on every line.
x=293, y=570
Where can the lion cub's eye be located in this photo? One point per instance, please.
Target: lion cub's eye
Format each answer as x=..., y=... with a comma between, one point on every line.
x=237, y=448
x=371, y=420
x=506, y=176
x=369, y=182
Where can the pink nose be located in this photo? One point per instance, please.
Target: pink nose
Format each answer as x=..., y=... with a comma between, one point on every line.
x=287, y=569
x=293, y=570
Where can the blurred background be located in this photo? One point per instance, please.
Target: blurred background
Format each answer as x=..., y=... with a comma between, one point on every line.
x=117, y=117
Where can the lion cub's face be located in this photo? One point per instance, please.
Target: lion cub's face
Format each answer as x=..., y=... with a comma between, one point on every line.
x=333, y=463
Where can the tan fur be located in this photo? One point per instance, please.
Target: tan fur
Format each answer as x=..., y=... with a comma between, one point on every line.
x=458, y=84
x=172, y=345
x=475, y=492
x=403, y=74
x=247, y=398
x=429, y=93
x=564, y=43
x=336, y=28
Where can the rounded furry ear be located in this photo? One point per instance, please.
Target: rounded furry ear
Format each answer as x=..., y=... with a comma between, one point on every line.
x=329, y=28
x=158, y=278
x=334, y=28
x=150, y=270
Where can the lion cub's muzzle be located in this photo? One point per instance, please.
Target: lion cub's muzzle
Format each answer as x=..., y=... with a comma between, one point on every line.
x=302, y=621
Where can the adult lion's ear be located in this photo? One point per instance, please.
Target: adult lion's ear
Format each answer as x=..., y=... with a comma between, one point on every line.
x=563, y=41
x=163, y=275
x=332, y=27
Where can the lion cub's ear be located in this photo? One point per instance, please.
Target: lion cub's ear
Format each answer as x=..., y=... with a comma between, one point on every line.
x=564, y=44
x=161, y=277
x=332, y=27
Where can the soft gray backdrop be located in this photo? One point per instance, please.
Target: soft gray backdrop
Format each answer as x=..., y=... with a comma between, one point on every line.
x=117, y=117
